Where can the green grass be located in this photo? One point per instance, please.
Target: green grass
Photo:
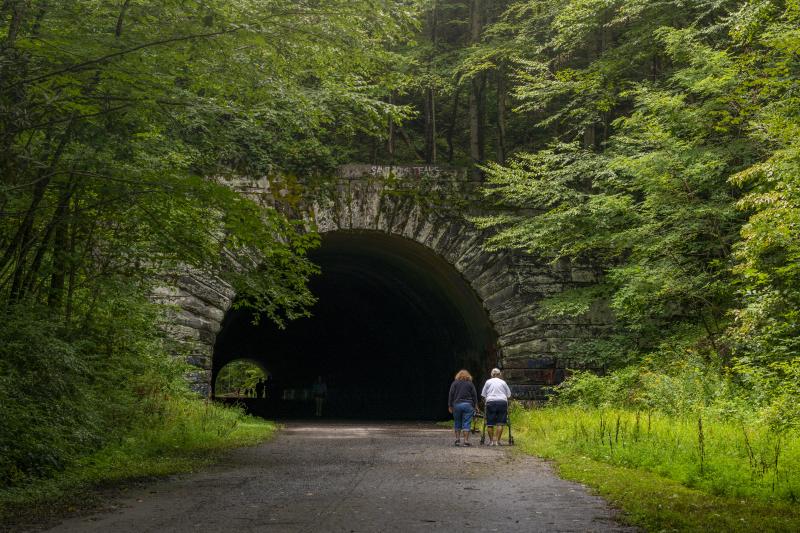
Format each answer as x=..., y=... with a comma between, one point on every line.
x=185, y=436
x=652, y=470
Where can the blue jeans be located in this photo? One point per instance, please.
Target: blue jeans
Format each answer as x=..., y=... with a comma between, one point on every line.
x=462, y=416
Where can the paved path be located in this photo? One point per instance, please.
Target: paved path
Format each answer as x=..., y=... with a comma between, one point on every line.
x=361, y=478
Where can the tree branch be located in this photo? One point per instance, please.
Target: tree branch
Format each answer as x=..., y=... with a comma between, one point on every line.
x=107, y=57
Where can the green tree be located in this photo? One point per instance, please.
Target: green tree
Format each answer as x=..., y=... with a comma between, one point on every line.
x=666, y=152
x=237, y=376
x=121, y=124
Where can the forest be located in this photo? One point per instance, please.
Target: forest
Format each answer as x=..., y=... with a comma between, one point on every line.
x=656, y=140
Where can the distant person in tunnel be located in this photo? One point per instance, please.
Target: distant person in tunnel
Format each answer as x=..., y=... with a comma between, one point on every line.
x=320, y=391
x=260, y=388
x=269, y=386
x=461, y=403
x=496, y=394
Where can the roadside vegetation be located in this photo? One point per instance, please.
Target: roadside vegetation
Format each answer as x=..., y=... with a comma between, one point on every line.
x=650, y=491
x=181, y=436
x=121, y=126
x=724, y=458
x=702, y=472
x=655, y=146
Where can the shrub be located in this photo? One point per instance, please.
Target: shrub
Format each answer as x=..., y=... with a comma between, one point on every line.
x=66, y=391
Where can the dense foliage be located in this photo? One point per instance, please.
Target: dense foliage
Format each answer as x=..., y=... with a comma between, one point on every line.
x=656, y=142
x=656, y=145
x=238, y=378
x=120, y=124
x=667, y=156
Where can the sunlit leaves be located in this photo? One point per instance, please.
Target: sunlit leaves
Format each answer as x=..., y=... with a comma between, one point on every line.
x=128, y=111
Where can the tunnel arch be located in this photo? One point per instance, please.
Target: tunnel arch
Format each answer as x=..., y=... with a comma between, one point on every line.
x=393, y=322
x=426, y=205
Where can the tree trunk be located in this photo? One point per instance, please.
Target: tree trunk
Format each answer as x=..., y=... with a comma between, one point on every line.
x=390, y=142
x=19, y=244
x=121, y=19
x=476, y=121
x=451, y=129
x=501, y=116
x=87, y=241
x=593, y=51
x=430, y=126
x=602, y=42
x=430, y=92
x=60, y=250
x=477, y=94
x=55, y=226
x=589, y=137
x=37, y=21
x=419, y=153
x=18, y=12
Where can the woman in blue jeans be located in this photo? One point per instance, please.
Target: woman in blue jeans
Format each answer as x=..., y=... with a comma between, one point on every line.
x=461, y=402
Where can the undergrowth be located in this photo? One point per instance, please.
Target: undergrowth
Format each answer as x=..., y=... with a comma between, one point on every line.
x=680, y=473
x=186, y=434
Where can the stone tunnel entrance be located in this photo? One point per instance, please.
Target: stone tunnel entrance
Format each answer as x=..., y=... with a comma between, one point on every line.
x=392, y=325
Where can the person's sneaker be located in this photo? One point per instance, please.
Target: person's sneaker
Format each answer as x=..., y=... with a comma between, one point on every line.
x=457, y=443
x=466, y=444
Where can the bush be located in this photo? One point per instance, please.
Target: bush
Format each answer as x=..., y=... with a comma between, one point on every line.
x=669, y=384
x=185, y=434
x=66, y=391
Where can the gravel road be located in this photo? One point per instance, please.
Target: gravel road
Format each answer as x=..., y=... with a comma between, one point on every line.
x=318, y=476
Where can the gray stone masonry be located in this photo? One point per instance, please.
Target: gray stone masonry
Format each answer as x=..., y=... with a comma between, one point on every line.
x=427, y=205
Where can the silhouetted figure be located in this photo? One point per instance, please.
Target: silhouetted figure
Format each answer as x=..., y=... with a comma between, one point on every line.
x=269, y=385
x=320, y=390
x=260, y=389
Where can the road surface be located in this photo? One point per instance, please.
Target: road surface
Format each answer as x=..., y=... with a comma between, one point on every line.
x=351, y=477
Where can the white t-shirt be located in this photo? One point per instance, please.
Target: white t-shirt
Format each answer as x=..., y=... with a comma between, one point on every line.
x=496, y=390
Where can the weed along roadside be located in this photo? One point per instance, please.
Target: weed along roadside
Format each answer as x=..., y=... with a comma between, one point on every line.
x=184, y=435
x=690, y=473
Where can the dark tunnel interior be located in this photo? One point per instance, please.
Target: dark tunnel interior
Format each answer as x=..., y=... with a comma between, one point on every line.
x=393, y=323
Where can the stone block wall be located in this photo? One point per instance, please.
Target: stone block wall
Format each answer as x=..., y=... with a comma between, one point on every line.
x=427, y=205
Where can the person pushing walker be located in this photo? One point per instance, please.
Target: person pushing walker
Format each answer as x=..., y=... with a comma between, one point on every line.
x=496, y=395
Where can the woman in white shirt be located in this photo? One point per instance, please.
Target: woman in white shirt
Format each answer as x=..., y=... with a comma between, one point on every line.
x=496, y=394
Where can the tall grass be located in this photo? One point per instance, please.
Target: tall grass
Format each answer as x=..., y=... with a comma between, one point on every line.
x=725, y=457
x=182, y=435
